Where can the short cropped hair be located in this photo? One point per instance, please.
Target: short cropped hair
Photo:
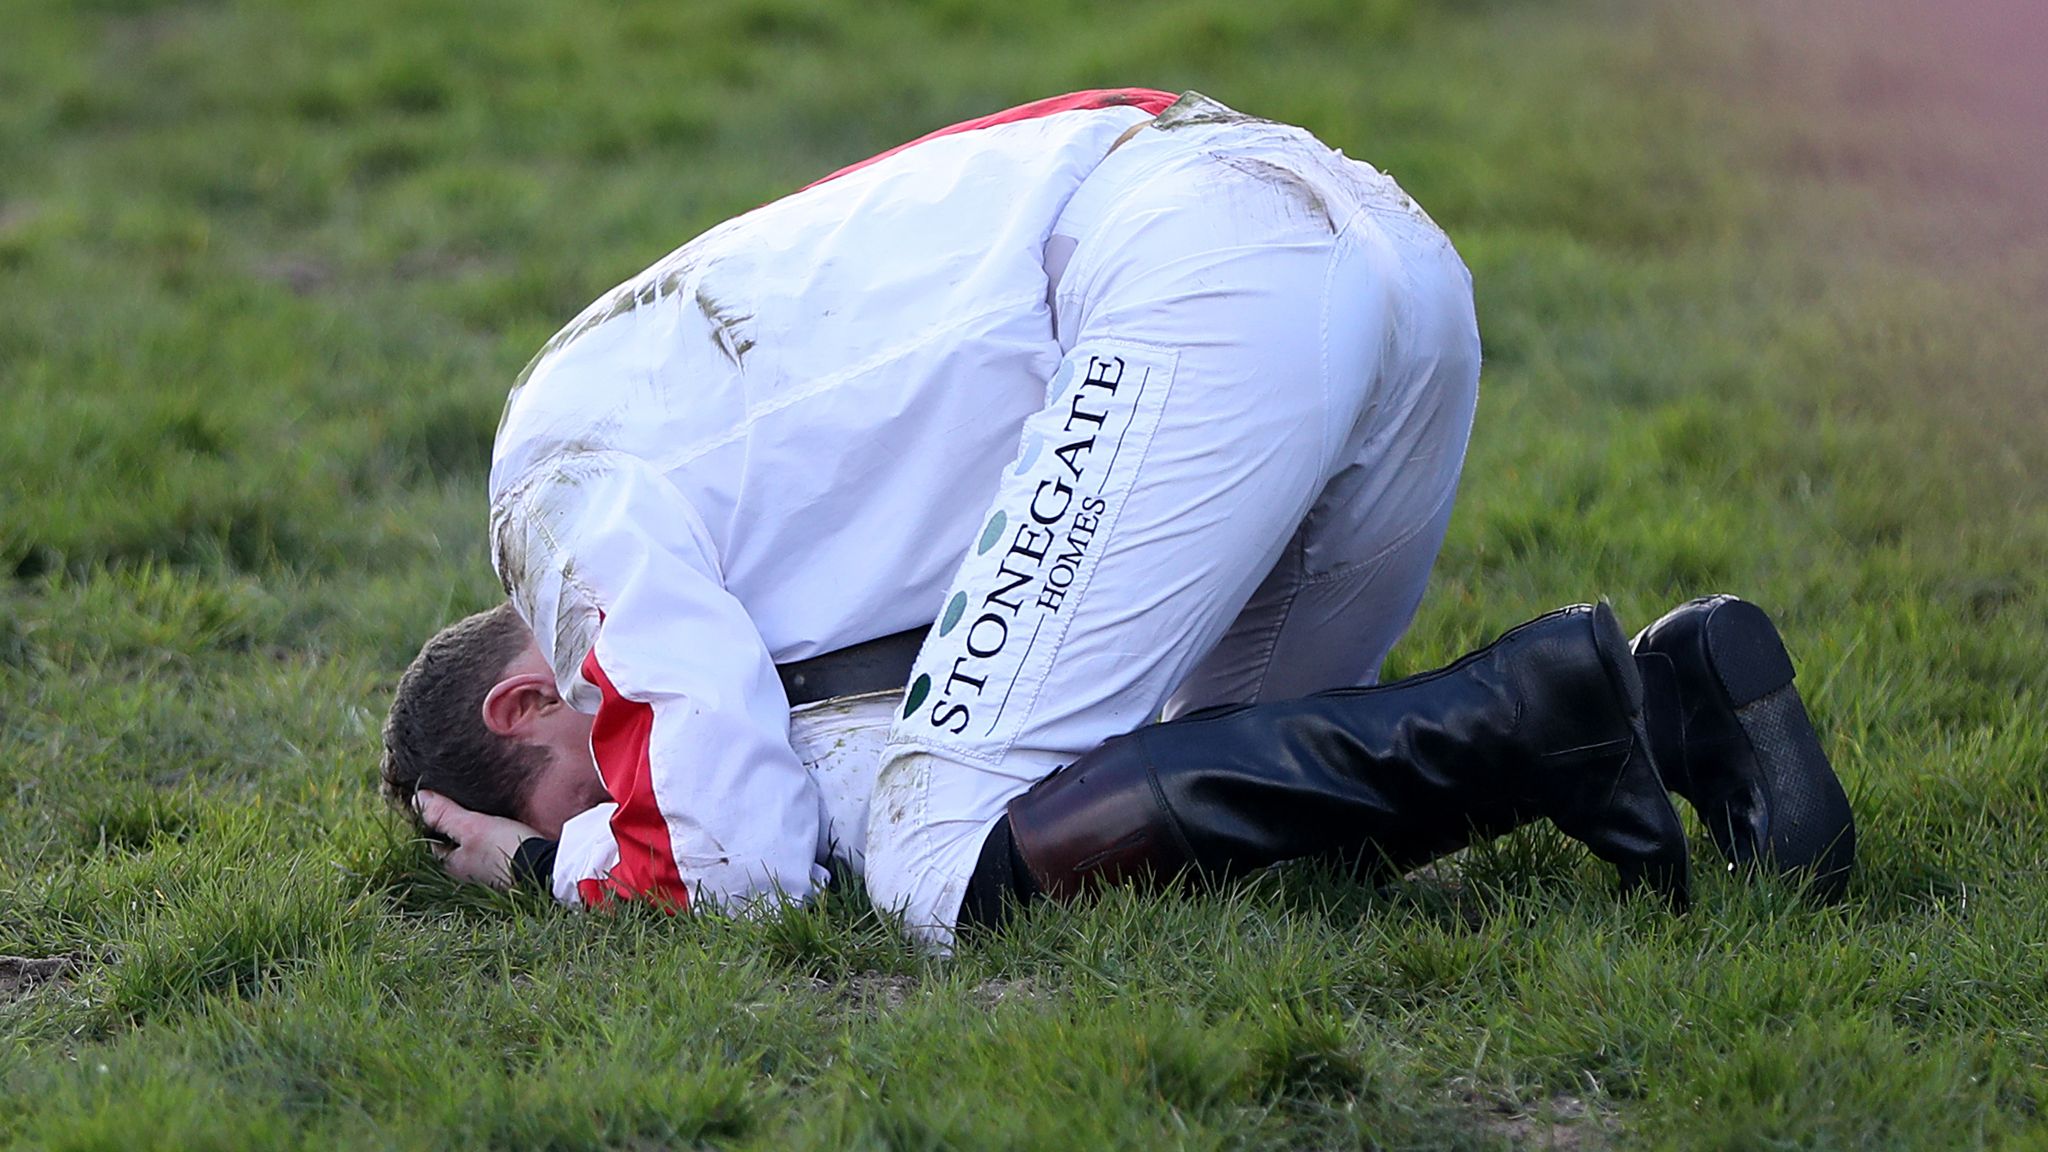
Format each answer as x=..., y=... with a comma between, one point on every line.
x=435, y=737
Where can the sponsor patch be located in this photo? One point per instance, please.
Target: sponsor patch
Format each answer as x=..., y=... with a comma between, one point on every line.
x=1000, y=627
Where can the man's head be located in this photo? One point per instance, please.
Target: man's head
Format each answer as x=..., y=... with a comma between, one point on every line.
x=477, y=718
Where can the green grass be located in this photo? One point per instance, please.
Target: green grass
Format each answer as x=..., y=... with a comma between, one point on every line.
x=1763, y=290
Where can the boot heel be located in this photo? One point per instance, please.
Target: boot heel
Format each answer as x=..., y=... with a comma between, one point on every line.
x=1811, y=826
x=1748, y=656
x=1737, y=735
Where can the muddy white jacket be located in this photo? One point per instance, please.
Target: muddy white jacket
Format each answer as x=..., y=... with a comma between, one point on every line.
x=778, y=441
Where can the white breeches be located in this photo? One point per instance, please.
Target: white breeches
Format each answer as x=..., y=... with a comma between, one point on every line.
x=1235, y=491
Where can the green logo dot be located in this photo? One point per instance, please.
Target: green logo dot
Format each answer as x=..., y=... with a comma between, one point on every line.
x=918, y=691
x=992, y=533
x=955, y=608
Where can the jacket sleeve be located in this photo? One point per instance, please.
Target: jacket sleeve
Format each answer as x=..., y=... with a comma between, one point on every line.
x=691, y=735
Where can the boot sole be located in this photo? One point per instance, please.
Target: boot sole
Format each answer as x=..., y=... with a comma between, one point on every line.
x=1811, y=824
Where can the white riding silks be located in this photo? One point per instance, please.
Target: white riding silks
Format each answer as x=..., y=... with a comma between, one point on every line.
x=1212, y=451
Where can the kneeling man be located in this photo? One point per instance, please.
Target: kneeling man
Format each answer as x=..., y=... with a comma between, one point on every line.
x=985, y=454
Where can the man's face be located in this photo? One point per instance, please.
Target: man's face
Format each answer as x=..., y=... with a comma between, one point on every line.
x=567, y=783
x=563, y=789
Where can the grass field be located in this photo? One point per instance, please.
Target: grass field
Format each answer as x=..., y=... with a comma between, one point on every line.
x=1764, y=289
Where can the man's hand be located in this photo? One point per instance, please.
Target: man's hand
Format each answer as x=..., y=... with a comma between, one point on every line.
x=483, y=848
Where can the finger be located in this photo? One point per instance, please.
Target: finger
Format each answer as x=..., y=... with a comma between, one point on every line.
x=442, y=815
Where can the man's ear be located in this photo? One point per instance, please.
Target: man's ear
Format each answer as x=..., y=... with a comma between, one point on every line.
x=515, y=702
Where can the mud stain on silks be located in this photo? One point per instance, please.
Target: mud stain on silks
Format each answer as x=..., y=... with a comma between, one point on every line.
x=657, y=283
x=726, y=325
x=901, y=786
x=509, y=555
x=525, y=514
x=1194, y=108
x=1286, y=180
x=575, y=616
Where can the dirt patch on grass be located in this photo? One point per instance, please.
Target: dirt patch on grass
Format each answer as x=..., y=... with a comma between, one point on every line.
x=303, y=275
x=990, y=993
x=1565, y=1122
x=20, y=975
x=874, y=992
x=866, y=992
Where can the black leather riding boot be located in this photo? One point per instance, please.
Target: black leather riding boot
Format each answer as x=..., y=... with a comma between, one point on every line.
x=1731, y=735
x=1546, y=721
